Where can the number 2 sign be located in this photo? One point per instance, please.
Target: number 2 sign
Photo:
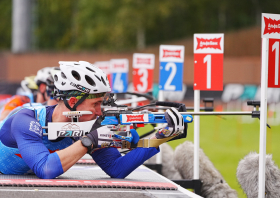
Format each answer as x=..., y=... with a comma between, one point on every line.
x=208, y=61
x=171, y=58
x=143, y=69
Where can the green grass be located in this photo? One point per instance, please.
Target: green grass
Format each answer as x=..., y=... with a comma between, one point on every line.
x=227, y=141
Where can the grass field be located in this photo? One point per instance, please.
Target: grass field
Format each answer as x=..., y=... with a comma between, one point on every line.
x=227, y=140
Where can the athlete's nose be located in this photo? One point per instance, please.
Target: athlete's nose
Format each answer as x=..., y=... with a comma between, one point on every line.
x=98, y=110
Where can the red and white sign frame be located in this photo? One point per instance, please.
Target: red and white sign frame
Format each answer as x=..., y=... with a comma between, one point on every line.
x=143, y=70
x=208, y=62
x=205, y=46
x=119, y=75
x=270, y=30
x=270, y=25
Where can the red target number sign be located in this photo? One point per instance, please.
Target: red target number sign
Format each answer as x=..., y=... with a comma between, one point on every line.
x=273, y=63
x=208, y=70
x=208, y=61
x=143, y=70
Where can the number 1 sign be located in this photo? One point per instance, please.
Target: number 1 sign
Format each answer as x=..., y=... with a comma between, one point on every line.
x=208, y=61
x=273, y=63
x=143, y=69
x=171, y=58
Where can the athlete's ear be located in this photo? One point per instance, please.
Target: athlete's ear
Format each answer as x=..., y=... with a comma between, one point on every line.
x=42, y=88
x=72, y=101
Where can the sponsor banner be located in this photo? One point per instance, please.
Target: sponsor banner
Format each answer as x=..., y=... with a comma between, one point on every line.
x=209, y=43
x=143, y=70
x=143, y=61
x=119, y=65
x=171, y=53
x=104, y=66
x=171, y=59
x=70, y=130
x=270, y=25
x=273, y=63
x=208, y=72
x=134, y=118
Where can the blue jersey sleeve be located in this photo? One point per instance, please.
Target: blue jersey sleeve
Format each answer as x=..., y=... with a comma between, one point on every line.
x=27, y=132
x=117, y=166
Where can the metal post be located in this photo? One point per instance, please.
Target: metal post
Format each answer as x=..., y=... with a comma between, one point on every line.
x=21, y=26
x=196, y=134
x=159, y=155
x=263, y=118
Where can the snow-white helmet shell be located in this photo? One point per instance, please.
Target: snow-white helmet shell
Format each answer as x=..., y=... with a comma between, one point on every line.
x=81, y=76
x=42, y=75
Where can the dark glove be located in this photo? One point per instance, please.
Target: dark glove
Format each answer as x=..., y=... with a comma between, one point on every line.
x=101, y=137
x=175, y=123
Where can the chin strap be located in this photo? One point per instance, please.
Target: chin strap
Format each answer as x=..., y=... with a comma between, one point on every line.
x=75, y=106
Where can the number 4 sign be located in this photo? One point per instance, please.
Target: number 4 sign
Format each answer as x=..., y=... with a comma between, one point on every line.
x=119, y=69
x=143, y=69
x=208, y=61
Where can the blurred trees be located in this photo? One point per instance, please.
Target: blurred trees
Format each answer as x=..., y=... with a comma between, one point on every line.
x=6, y=24
x=119, y=25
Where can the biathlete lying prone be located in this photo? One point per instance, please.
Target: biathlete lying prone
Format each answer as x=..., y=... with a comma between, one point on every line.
x=81, y=87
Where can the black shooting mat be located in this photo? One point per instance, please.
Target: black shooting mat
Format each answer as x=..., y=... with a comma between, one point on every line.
x=84, y=180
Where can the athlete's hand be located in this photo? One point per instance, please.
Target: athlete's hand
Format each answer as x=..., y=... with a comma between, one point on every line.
x=101, y=137
x=175, y=123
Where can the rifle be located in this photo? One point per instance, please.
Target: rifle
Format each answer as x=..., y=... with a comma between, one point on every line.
x=116, y=117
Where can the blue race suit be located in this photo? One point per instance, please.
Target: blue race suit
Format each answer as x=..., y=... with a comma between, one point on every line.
x=24, y=149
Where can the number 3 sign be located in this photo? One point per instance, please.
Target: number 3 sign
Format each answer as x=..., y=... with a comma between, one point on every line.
x=208, y=61
x=143, y=70
x=171, y=58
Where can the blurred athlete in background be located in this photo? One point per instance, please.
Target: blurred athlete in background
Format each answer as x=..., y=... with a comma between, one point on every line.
x=33, y=91
x=81, y=87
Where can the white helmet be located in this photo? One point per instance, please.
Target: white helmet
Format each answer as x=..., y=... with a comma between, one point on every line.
x=43, y=75
x=53, y=71
x=81, y=76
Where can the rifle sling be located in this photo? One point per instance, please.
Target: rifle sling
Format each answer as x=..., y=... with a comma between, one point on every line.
x=146, y=143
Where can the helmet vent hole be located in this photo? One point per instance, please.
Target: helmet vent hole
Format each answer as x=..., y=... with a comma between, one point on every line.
x=90, y=69
x=90, y=81
x=103, y=81
x=97, y=77
x=63, y=75
x=76, y=75
x=55, y=77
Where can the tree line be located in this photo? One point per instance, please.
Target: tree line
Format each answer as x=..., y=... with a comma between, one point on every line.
x=123, y=25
